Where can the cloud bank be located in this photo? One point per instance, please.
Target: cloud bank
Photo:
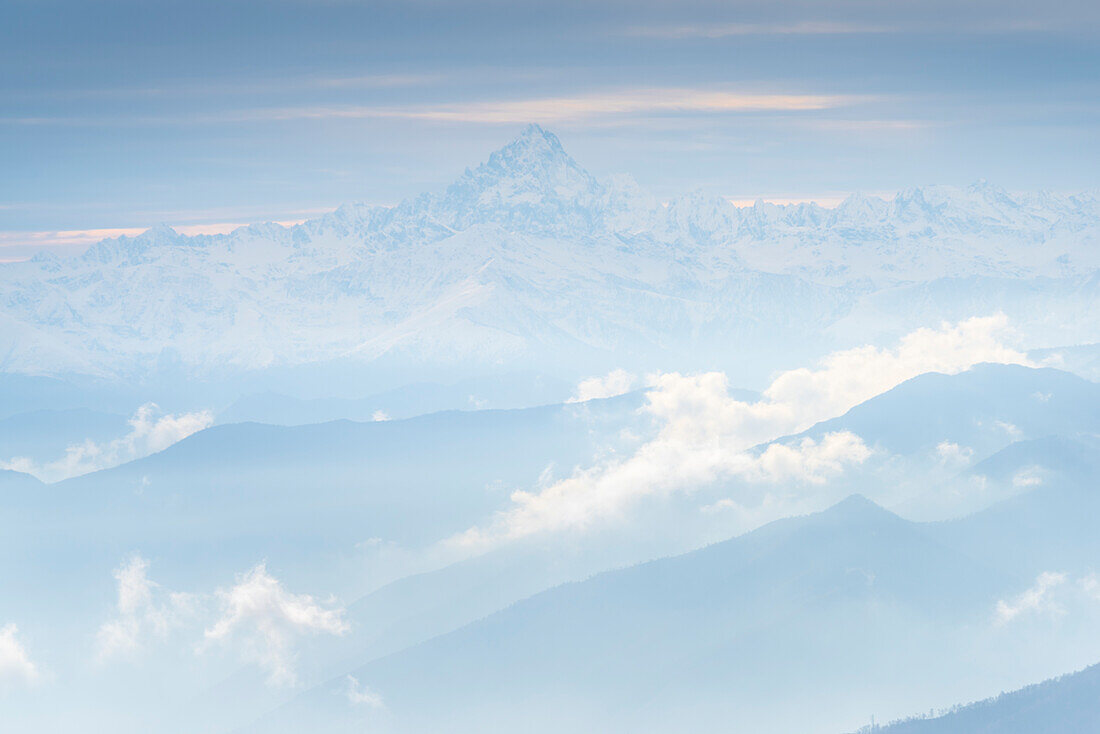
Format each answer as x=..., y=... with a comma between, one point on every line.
x=706, y=435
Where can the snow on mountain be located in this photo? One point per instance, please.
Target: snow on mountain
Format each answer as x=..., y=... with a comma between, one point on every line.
x=526, y=259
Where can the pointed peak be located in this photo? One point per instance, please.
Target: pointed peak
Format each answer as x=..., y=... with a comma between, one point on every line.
x=536, y=136
x=535, y=147
x=535, y=156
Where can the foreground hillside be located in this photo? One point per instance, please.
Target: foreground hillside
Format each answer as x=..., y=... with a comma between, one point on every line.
x=1059, y=706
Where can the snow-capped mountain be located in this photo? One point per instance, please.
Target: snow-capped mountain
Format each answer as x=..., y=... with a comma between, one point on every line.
x=530, y=259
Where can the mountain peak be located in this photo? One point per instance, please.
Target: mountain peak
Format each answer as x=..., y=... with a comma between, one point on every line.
x=536, y=151
x=530, y=185
x=536, y=137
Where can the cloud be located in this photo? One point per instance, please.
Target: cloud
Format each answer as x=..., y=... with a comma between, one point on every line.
x=953, y=455
x=1012, y=430
x=1090, y=584
x=256, y=616
x=149, y=433
x=361, y=695
x=847, y=378
x=725, y=30
x=646, y=100
x=705, y=434
x=1029, y=476
x=808, y=461
x=380, y=416
x=144, y=610
x=266, y=619
x=616, y=382
x=15, y=664
x=1035, y=600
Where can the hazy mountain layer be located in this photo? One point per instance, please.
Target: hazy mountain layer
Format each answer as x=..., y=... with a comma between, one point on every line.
x=529, y=260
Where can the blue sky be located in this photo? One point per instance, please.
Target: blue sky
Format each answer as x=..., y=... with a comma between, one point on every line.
x=121, y=115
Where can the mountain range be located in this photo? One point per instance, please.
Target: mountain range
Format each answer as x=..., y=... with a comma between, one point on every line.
x=528, y=261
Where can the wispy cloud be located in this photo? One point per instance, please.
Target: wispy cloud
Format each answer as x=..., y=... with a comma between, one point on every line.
x=654, y=100
x=361, y=695
x=266, y=620
x=953, y=455
x=256, y=618
x=724, y=30
x=615, y=103
x=145, y=610
x=616, y=382
x=15, y=664
x=982, y=25
x=1034, y=600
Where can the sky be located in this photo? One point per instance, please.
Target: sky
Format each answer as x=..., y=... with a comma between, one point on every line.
x=116, y=116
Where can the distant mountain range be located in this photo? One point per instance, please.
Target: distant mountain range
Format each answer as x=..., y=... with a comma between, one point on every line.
x=530, y=262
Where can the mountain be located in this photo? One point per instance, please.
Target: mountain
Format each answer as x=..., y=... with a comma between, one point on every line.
x=237, y=493
x=1049, y=528
x=43, y=435
x=949, y=445
x=984, y=409
x=501, y=391
x=1058, y=706
x=529, y=261
x=771, y=629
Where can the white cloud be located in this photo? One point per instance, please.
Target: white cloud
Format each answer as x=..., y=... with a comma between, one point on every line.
x=616, y=382
x=1090, y=584
x=705, y=434
x=719, y=506
x=149, y=433
x=1029, y=476
x=808, y=461
x=144, y=610
x=847, y=378
x=1035, y=600
x=256, y=617
x=380, y=416
x=266, y=620
x=953, y=455
x=361, y=695
x=1013, y=431
x=15, y=664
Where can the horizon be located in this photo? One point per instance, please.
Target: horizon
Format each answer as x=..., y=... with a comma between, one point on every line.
x=22, y=246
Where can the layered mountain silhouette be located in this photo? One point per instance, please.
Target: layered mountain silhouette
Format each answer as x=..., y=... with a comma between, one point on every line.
x=793, y=627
